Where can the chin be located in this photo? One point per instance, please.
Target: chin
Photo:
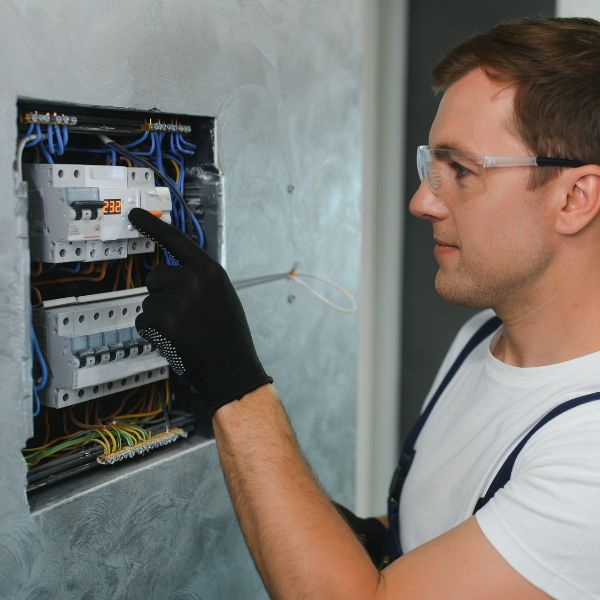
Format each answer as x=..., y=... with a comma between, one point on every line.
x=459, y=292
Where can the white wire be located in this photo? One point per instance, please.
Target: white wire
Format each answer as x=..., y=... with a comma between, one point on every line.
x=294, y=276
x=20, y=149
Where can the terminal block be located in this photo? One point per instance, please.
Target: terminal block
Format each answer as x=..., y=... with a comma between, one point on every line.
x=79, y=212
x=92, y=348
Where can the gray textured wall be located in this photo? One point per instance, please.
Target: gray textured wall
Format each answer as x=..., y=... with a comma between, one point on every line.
x=283, y=79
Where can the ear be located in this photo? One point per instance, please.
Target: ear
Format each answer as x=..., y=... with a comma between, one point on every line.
x=580, y=199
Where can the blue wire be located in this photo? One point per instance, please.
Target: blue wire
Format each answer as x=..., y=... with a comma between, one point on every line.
x=65, y=134
x=40, y=358
x=45, y=152
x=149, y=152
x=29, y=130
x=173, y=185
x=38, y=404
x=114, y=156
x=59, y=140
x=38, y=132
x=172, y=143
x=201, y=240
x=136, y=142
x=74, y=269
x=145, y=262
x=185, y=143
x=180, y=146
x=158, y=160
x=50, y=138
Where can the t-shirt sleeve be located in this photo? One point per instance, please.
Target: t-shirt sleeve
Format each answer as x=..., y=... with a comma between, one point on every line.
x=546, y=521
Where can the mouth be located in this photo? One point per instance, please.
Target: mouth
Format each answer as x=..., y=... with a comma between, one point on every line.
x=443, y=248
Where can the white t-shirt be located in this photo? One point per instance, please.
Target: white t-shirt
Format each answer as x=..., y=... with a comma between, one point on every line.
x=546, y=521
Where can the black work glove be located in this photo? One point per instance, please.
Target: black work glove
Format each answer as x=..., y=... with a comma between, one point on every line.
x=194, y=316
x=370, y=532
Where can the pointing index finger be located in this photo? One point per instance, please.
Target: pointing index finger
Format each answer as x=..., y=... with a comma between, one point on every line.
x=173, y=241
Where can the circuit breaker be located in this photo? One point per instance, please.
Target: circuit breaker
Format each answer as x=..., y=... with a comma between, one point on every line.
x=93, y=349
x=79, y=212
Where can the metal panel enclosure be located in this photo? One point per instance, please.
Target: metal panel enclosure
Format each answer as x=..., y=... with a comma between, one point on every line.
x=283, y=80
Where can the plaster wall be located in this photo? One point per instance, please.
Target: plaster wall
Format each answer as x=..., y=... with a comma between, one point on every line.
x=283, y=78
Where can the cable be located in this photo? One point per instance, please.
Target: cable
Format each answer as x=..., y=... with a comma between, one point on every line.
x=99, y=277
x=38, y=354
x=20, y=149
x=38, y=132
x=46, y=154
x=50, y=138
x=38, y=404
x=180, y=147
x=137, y=142
x=75, y=269
x=185, y=143
x=59, y=140
x=295, y=275
x=149, y=152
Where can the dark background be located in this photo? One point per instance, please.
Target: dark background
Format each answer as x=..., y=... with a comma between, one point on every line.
x=428, y=322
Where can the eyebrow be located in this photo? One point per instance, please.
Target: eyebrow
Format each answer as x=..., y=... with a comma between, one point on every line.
x=451, y=145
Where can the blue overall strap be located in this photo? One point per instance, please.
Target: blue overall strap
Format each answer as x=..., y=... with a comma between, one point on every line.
x=503, y=475
x=392, y=542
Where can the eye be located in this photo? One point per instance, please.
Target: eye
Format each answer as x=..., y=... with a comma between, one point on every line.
x=459, y=170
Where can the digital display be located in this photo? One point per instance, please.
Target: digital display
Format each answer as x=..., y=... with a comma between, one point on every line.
x=111, y=207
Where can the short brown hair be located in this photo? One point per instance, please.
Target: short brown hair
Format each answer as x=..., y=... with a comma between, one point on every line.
x=554, y=65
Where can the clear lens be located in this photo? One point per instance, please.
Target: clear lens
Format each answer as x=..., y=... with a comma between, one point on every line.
x=452, y=176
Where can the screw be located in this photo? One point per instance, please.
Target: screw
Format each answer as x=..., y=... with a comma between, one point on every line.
x=290, y=188
x=291, y=299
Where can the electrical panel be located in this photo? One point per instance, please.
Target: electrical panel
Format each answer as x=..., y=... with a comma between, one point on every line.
x=102, y=393
x=79, y=212
x=93, y=349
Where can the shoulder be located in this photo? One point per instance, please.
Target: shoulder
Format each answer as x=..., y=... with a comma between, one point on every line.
x=548, y=511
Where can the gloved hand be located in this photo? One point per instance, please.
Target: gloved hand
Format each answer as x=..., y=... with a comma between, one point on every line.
x=370, y=532
x=194, y=316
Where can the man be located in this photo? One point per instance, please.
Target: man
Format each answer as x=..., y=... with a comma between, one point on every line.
x=513, y=233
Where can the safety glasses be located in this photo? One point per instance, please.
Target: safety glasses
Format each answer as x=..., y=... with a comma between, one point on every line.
x=456, y=176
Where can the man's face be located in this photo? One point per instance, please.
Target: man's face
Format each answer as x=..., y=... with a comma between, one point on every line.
x=495, y=246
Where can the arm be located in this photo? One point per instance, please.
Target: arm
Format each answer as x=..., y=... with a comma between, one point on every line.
x=302, y=547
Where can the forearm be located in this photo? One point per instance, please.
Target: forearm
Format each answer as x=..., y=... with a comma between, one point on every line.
x=300, y=544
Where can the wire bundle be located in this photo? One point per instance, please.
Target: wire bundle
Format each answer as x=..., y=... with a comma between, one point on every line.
x=113, y=432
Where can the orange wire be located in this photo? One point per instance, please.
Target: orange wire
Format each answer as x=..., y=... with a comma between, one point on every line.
x=88, y=269
x=128, y=280
x=100, y=276
x=38, y=270
x=117, y=275
x=126, y=397
x=38, y=296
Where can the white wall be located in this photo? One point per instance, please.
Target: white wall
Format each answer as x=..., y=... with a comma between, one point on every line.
x=385, y=50
x=578, y=8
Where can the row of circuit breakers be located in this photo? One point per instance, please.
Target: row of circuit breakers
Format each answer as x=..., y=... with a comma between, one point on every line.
x=78, y=213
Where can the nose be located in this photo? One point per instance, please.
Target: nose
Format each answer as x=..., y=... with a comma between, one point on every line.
x=426, y=205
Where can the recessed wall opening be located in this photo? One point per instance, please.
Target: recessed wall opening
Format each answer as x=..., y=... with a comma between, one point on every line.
x=102, y=396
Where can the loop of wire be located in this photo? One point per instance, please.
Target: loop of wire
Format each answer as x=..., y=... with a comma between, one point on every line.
x=296, y=276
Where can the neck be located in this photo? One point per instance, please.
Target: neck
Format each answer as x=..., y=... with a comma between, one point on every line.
x=554, y=322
